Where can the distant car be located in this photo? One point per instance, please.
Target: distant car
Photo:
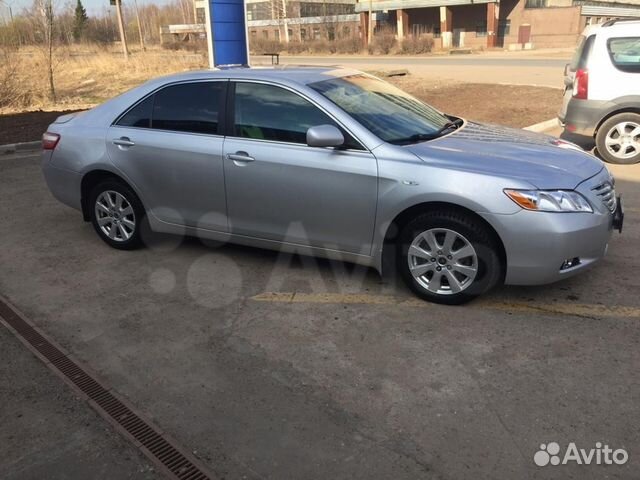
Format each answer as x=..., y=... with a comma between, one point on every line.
x=602, y=91
x=339, y=164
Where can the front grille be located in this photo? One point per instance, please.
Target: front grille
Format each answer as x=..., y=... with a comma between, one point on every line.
x=607, y=194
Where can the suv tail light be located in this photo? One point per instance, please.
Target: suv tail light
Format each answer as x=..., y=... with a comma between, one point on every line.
x=581, y=84
x=50, y=140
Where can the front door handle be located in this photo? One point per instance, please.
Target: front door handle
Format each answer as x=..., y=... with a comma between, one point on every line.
x=123, y=142
x=240, y=158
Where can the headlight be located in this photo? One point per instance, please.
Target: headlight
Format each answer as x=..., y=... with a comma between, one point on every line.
x=550, y=200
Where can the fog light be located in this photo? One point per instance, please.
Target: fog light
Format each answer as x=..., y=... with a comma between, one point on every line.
x=570, y=263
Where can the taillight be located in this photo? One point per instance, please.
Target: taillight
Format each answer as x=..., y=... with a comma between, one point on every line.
x=50, y=140
x=581, y=84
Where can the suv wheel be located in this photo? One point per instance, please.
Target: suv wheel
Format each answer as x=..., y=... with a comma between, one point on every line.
x=618, y=139
x=117, y=215
x=448, y=257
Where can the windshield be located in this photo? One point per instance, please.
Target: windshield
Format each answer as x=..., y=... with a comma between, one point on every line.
x=388, y=112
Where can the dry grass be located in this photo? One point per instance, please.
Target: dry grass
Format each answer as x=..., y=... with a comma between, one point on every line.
x=87, y=76
x=84, y=76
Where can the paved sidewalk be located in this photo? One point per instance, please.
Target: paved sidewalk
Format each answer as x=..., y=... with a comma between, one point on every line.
x=46, y=432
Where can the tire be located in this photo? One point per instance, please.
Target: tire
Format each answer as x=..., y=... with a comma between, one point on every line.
x=614, y=149
x=447, y=279
x=114, y=204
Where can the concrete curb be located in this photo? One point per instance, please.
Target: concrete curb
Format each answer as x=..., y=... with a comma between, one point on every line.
x=543, y=126
x=19, y=147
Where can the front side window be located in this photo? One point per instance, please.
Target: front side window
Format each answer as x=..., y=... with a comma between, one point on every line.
x=625, y=53
x=267, y=112
x=389, y=113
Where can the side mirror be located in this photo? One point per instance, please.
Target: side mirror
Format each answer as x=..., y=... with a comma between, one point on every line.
x=566, y=69
x=324, y=136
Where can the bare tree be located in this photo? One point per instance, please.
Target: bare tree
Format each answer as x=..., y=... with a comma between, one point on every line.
x=43, y=17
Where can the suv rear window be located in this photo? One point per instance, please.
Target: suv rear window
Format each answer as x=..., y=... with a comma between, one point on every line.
x=625, y=53
x=581, y=55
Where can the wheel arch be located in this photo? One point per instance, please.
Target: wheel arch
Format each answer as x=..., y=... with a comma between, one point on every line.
x=89, y=181
x=395, y=226
x=620, y=110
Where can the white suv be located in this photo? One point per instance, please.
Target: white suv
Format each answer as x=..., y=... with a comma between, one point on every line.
x=602, y=91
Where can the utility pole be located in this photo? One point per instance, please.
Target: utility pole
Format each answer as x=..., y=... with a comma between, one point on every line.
x=370, y=25
x=123, y=36
x=284, y=21
x=135, y=4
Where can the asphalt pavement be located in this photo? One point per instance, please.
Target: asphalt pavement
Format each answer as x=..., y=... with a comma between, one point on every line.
x=505, y=67
x=272, y=366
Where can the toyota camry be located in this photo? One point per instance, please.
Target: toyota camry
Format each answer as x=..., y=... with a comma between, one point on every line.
x=339, y=164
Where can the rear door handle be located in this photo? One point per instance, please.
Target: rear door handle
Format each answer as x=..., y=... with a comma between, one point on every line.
x=123, y=142
x=240, y=158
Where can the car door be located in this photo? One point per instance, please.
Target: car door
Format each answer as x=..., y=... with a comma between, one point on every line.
x=279, y=188
x=169, y=146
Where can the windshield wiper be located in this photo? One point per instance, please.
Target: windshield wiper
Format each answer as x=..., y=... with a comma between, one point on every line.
x=457, y=123
x=418, y=137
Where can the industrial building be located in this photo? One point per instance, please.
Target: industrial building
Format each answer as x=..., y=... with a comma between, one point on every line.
x=512, y=24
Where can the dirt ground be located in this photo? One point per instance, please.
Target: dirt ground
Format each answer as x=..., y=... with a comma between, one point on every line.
x=511, y=105
x=26, y=127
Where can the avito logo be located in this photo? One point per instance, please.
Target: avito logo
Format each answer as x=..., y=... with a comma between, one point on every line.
x=600, y=455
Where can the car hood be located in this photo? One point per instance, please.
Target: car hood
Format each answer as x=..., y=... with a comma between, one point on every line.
x=541, y=160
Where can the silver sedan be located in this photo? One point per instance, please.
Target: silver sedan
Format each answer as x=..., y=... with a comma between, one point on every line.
x=338, y=164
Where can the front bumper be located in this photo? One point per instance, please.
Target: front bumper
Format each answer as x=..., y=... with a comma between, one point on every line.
x=538, y=243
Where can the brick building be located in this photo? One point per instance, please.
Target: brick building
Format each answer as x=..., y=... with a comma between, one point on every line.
x=488, y=23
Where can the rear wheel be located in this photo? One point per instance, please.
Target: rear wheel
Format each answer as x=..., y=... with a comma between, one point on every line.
x=448, y=257
x=117, y=215
x=618, y=139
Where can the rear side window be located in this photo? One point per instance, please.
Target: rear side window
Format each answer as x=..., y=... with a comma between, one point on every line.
x=139, y=116
x=625, y=53
x=186, y=107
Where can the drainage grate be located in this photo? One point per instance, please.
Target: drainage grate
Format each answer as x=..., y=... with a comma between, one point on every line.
x=158, y=447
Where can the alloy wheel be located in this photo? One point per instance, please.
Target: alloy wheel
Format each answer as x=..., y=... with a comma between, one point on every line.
x=115, y=216
x=623, y=140
x=442, y=261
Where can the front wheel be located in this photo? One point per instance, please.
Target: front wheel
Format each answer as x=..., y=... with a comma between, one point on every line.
x=618, y=139
x=448, y=257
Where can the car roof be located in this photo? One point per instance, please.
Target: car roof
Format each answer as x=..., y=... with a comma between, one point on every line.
x=289, y=74
x=624, y=27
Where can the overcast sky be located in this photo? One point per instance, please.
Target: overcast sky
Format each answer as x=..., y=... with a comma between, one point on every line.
x=94, y=7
